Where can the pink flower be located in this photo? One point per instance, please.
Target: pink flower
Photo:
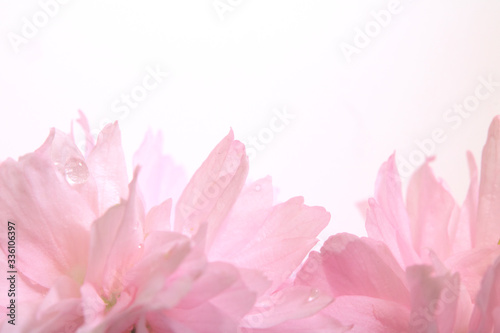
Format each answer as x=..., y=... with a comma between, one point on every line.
x=97, y=254
x=427, y=264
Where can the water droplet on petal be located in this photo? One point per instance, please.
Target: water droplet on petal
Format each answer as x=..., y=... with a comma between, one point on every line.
x=76, y=171
x=140, y=246
x=314, y=294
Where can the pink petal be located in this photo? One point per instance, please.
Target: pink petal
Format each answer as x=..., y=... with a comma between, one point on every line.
x=362, y=266
x=217, y=302
x=487, y=302
x=367, y=314
x=89, y=140
x=164, y=252
x=107, y=165
x=463, y=226
x=387, y=219
x=248, y=215
x=158, y=218
x=472, y=265
x=213, y=189
x=292, y=303
x=319, y=323
x=434, y=299
x=116, y=240
x=36, y=196
x=487, y=229
x=277, y=242
x=160, y=178
x=430, y=207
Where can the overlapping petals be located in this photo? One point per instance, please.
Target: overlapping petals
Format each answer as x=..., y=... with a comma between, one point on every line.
x=100, y=254
x=428, y=264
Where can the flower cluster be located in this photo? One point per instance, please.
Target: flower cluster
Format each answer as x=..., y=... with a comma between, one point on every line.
x=427, y=265
x=97, y=253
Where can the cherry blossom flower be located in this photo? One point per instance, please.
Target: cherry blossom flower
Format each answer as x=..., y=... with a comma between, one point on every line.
x=99, y=254
x=428, y=265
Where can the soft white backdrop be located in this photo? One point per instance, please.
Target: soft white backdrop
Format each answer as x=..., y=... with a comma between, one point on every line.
x=234, y=69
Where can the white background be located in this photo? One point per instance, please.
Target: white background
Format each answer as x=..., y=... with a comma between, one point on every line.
x=233, y=71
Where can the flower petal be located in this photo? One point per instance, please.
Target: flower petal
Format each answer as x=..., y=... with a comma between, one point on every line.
x=52, y=216
x=368, y=314
x=278, y=241
x=116, y=240
x=158, y=218
x=213, y=189
x=487, y=231
x=362, y=266
x=487, y=303
x=160, y=178
x=434, y=299
x=106, y=163
x=387, y=219
x=430, y=207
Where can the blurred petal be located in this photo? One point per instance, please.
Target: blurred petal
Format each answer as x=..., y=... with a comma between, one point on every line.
x=274, y=242
x=362, y=266
x=89, y=140
x=430, y=207
x=434, y=299
x=160, y=178
x=51, y=215
x=106, y=163
x=158, y=218
x=463, y=227
x=487, y=231
x=116, y=242
x=367, y=314
x=484, y=317
x=387, y=219
x=213, y=189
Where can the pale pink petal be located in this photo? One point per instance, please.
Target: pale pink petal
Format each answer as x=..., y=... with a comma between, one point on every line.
x=472, y=265
x=89, y=140
x=312, y=273
x=213, y=189
x=277, y=243
x=430, y=207
x=248, y=215
x=291, y=303
x=318, y=323
x=387, y=219
x=70, y=163
x=367, y=314
x=158, y=218
x=107, y=166
x=362, y=266
x=216, y=303
x=487, y=302
x=37, y=197
x=59, y=311
x=164, y=253
x=434, y=299
x=116, y=240
x=487, y=231
x=463, y=226
x=160, y=178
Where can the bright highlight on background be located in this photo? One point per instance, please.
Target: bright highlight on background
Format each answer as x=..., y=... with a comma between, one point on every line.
x=320, y=92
